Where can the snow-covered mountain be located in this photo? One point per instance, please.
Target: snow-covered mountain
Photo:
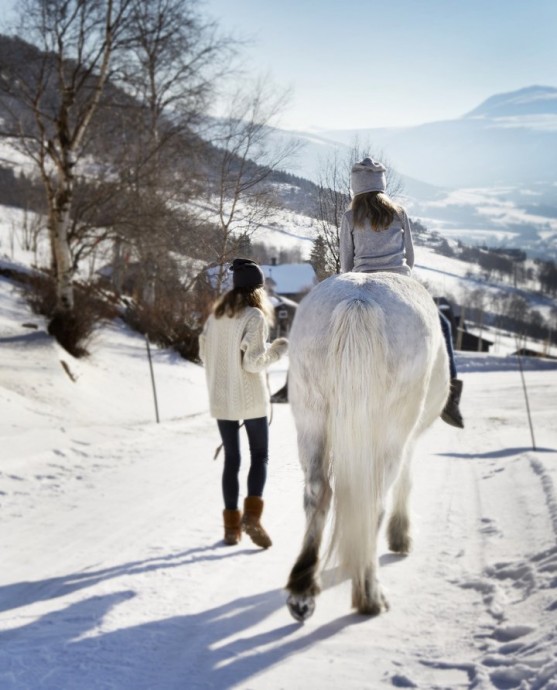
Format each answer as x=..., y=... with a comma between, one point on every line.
x=489, y=176
x=511, y=138
x=532, y=100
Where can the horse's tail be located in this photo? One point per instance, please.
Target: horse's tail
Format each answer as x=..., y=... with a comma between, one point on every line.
x=360, y=381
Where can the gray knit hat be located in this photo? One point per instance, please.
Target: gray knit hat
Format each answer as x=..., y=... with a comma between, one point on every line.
x=246, y=274
x=368, y=176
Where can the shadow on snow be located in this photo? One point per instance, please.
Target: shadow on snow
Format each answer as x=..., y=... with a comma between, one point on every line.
x=67, y=649
x=499, y=453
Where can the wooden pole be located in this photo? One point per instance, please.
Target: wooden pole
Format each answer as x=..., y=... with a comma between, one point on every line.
x=526, y=397
x=152, y=378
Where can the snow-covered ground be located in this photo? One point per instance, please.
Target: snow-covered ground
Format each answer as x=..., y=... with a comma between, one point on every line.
x=512, y=217
x=114, y=576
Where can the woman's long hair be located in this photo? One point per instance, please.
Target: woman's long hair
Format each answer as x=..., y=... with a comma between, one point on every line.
x=236, y=300
x=376, y=207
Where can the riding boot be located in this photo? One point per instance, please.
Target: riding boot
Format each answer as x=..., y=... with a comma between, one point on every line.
x=253, y=507
x=232, y=526
x=451, y=414
x=281, y=396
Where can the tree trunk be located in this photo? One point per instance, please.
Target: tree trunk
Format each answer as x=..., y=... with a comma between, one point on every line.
x=118, y=267
x=59, y=225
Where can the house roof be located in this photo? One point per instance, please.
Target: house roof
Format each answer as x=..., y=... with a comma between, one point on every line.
x=282, y=301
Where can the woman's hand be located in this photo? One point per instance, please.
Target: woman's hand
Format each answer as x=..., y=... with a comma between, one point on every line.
x=279, y=346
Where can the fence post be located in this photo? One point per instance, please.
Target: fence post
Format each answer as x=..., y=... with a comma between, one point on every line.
x=526, y=397
x=152, y=378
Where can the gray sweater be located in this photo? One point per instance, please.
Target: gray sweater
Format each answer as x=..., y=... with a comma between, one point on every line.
x=365, y=250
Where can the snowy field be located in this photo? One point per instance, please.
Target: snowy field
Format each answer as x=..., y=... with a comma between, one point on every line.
x=114, y=576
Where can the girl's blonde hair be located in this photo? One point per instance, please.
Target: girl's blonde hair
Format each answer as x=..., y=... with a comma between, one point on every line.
x=376, y=207
x=236, y=300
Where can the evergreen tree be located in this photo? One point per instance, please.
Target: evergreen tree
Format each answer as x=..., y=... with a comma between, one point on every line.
x=319, y=260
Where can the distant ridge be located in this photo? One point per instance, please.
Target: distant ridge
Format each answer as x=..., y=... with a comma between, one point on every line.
x=531, y=100
x=509, y=139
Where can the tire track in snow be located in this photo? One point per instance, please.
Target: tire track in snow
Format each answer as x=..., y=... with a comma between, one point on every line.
x=548, y=489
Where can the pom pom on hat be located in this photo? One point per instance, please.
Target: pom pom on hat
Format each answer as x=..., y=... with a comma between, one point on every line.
x=246, y=274
x=368, y=176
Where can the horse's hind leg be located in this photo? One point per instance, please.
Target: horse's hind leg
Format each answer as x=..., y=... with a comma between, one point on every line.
x=398, y=528
x=367, y=594
x=302, y=583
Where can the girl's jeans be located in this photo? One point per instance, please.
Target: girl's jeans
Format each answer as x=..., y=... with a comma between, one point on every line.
x=258, y=437
x=447, y=332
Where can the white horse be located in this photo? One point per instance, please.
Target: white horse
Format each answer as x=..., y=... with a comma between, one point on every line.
x=368, y=374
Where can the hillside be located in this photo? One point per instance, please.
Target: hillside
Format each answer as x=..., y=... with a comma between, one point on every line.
x=487, y=177
x=502, y=217
x=437, y=264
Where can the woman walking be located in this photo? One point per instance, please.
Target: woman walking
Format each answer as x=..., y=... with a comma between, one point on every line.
x=234, y=350
x=375, y=235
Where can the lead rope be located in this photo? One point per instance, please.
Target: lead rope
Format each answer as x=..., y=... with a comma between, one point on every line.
x=218, y=450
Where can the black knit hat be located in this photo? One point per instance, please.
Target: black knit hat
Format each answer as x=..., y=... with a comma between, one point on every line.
x=246, y=274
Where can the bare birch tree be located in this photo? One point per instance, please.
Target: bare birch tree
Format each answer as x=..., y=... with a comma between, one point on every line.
x=246, y=154
x=60, y=88
x=173, y=61
x=333, y=197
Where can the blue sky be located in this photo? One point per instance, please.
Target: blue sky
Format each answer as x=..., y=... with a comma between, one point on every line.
x=370, y=63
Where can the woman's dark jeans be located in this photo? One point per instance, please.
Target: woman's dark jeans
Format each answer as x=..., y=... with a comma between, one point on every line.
x=447, y=332
x=258, y=437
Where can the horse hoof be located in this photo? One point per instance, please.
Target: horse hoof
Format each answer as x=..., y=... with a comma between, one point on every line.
x=300, y=607
x=375, y=608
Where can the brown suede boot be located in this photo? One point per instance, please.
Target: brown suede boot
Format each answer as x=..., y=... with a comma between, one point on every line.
x=232, y=526
x=253, y=507
x=451, y=414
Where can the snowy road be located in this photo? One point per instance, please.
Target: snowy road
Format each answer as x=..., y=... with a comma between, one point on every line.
x=114, y=577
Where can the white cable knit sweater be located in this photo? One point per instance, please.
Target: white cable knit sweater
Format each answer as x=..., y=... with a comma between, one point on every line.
x=235, y=354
